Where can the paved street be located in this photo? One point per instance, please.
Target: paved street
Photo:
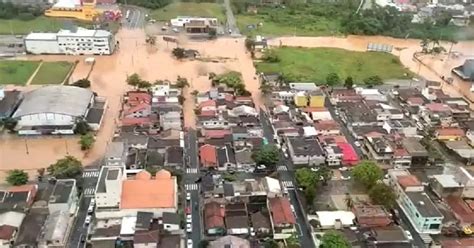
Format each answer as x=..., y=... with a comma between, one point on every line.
x=190, y=185
x=79, y=229
x=231, y=22
x=136, y=17
x=287, y=178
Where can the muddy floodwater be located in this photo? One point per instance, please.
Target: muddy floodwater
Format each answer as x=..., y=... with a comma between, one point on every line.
x=156, y=63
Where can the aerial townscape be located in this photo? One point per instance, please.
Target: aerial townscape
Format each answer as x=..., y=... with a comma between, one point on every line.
x=236, y=123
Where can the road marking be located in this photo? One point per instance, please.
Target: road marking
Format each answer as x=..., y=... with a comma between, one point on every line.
x=89, y=192
x=282, y=168
x=191, y=170
x=192, y=186
x=90, y=173
x=287, y=184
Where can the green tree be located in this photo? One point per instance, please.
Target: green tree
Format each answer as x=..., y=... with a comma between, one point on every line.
x=268, y=155
x=17, y=177
x=367, y=173
x=271, y=56
x=212, y=33
x=82, y=127
x=382, y=194
x=425, y=43
x=333, y=239
x=250, y=44
x=306, y=178
x=373, y=80
x=203, y=243
x=67, y=167
x=182, y=82
x=293, y=241
x=310, y=194
x=134, y=80
x=83, y=83
x=86, y=141
x=349, y=83
x=143, y=84
x=179, y=53
x=333, y=79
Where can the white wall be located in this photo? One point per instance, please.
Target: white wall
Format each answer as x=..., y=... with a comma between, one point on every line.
x=42, y=119
x=42, y=46
x=84, y=45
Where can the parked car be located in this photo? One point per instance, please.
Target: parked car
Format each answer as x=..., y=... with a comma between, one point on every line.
x=188, y=196
x=189, y=228
x=189, y=218
x=88, y=220
x=190, y=243
x=408, y=234
x=357, y=143
x=187, y=210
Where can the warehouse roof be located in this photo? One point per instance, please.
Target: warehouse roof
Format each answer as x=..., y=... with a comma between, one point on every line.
x=67, y=100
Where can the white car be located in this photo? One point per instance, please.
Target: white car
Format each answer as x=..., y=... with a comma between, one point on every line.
x=190, y=243
x=408, y=234
x=188, y=196
x=357, y=143
x=90, y=210
x=292, y=208
x=189, y=228
x=189, y=218
x=88, y=220
x=93, y=202
x=343, y=169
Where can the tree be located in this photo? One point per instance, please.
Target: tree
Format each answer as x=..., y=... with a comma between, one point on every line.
x=293, y=241
x=195, y=93
x=203, y=243
x=332, y=79
x=134, y=80
x=86, y=141
x=373, y=80
x=306, y=178
x=270, y=56
x=349, y=83
x=143, y=85
x=424, y=43
x=17, y=177
x=67, y=167
x=367, y=173
x=333, y=239
x=310, y=194
x=381, y=194
x=82, y=127
x=83, y=83
x=270, y=243
x=212, y=33
x=268, y=155
x=179, y=53
x=181, y=82
x=181, y=99
x=250, y=45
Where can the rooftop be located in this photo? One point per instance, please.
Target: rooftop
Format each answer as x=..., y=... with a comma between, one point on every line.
x=281, y=211
x=208, y=154
x=305, y=147
x=408, y=181
x=62, y=191
x=447, y=181
x=424, y=205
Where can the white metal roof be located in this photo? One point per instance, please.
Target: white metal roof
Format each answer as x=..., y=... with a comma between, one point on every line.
x=273, y=185
x=328, y=218
x=41, y=36
x=448, y=181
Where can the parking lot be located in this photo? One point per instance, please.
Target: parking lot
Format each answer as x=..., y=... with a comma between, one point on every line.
x=11, y=45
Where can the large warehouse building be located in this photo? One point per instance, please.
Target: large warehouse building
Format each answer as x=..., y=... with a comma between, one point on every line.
x=77, y=41
x=53, y=110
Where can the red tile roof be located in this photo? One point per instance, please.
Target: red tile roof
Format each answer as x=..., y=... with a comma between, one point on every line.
x=461, y=209
x=216, y=133
x=243, y=99
x=208, y=113
x=371, y=215
x=6, y=232
x=400, y=152
x=437, y=107
x=349, y=155
x=452, y=131
x=408, y=180
x=417, y=101
x=144, y=121
x=208, y=155
x=135, y=98
x=229, y=97
x=281, y=211
x=214, y=214
x=208, y=103
x=326, y=125
x=458, y=243
x=31, y=188
x=136, y=108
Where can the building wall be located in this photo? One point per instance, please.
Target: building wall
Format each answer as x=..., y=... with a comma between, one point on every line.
x=46, y=119
x=301, y=101
x=317, y=101
x=42, y=46
x=120, y=213
x=421, y=224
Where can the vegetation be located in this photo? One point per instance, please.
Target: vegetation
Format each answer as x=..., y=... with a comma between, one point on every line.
x=349, y=82
x=52, y=73
x=333, y=239
x=136, y=81
x=315, y=64
x=86, y=141
x=67, y=167
x=179, y=53
x=83, y=83
x=367, y=173
x=181, y=82
x=8, y=123
x=337, y=18
x=333, y=79
x=309, y=180
x=16, y=72
x=82, y=127
x=185, y=9
x=268, y=155
x=17, y=177
x=231, y=79
x=373, y=80
x=382, y=194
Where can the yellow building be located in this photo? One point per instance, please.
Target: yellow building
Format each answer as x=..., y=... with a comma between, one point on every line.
x=301, y=100
x=76, y=9
x=316, y=99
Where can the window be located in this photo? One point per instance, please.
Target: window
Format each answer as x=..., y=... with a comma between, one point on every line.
x=434, y=226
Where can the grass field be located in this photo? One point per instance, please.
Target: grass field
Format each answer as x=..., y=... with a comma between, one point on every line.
x=16, y=72
x=52, y=73
x=189, y=9
x=314, y=64
x=43, y=24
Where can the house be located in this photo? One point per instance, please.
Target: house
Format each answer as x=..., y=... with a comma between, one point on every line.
x=301, y=99
x=335, y=219
x=226, y=158
x=400, y=126
x=18, y=198
x=208, y=155
x=390, y=236
x=418, y=153
x=435, y=114
x=54, y=231
x=243, y=159
x=116, y=154
x=171, y=120
x=214, y=214
x=344, y=95
x=171, y=222
x=449, y=134
x=465, y=71
x=466, y=177
x=10, y=223
x=236, y=218
x=418, y=207
x=195, y=25
x=329, y=127
x=52, y=110
x=371, y=215
x=349, y=155
x=304, y=86
x=333, y=155
x=461, y=149
x=305, y=151
x=146, y=239
x=462, y=210
x=174, y=156
x=209, y=105
x=371, y=94
x=446, y=185
x=243, y=110
x=9, y=101
x=379, y=147
x=63, y=197
x=261, y=224
x=317, y=99
x=272, y=187
x=229, y=241
x=281, y=217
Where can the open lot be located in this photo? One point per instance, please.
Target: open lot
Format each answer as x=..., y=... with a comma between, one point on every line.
x=52, y=72
x=189, y=9
x=16, y=72
x=314, y=64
